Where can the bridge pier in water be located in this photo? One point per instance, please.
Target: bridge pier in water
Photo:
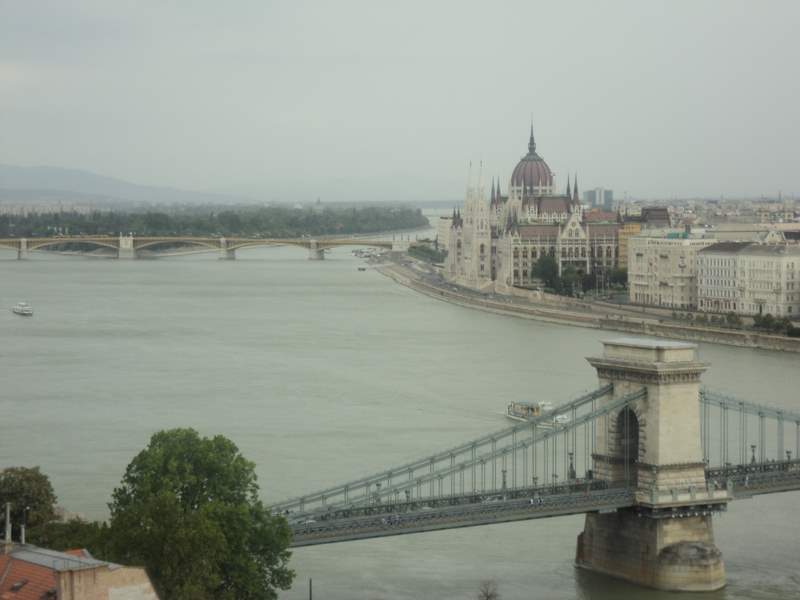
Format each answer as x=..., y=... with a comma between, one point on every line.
x=22, y=249
x=226, y=253
x=126, y=248
x=666, y=539
x=315, y=252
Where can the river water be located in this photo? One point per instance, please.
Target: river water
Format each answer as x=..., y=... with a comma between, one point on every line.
x=321, y=373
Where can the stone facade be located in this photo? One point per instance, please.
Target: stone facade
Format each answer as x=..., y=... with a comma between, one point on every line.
x=667, y=554
x=749, y=278
x=666, y=540
x=662, y=271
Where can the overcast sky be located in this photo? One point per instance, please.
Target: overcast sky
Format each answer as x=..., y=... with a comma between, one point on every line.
x=390, y=101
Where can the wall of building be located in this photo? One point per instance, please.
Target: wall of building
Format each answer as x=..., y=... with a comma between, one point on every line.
x=663, y=271
x=102, y=583
x=750, y=279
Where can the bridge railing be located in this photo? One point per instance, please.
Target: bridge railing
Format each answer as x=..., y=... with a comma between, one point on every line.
x=408, y=473
x=738, y=432
x=313, y=531
x=544, y=450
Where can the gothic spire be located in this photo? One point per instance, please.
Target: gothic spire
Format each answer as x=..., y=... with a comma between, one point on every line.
x=494, y=196
x=569, y=194
x=531, y=141
x=575, y=189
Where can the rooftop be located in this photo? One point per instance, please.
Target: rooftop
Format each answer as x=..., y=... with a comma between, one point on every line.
x=650, y=343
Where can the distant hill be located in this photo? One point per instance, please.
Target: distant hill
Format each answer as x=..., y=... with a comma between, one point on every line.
x=43, y=184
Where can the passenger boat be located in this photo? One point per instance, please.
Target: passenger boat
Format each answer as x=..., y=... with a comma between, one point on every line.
x=362, y=268
x=23, y=309
x=525, y=411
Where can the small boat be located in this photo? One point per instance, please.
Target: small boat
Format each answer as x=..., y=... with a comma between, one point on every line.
x=362, y=268
x=23, y=309
x=525, y=411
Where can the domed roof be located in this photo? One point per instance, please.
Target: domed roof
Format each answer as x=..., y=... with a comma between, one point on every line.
x=531, y=170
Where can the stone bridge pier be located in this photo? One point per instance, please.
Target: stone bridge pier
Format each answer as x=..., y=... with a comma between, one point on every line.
x=126, y=249
x=666, y=540
x=315, y=252
x=226, y=253
x=22, y=249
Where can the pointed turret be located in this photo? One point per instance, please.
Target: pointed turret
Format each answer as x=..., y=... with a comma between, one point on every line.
x=531, y=141
x=494, y=196
x=499, y=195
x=575, y=190
x=569, y=194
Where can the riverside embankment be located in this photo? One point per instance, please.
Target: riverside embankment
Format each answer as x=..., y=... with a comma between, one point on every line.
x=568, y=311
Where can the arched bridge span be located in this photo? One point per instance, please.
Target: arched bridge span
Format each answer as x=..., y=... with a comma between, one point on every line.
x=131, y=246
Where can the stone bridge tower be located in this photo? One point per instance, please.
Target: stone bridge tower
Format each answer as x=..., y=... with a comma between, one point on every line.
x=666, y=540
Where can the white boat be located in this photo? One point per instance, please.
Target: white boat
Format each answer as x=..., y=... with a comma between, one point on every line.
x=524, y=411
x=23, y=309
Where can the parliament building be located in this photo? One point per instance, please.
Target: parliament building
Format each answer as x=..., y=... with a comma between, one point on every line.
x=495, y=241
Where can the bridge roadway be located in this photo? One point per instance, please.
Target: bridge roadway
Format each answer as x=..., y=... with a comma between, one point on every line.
x=521, y=504
x=493, y=509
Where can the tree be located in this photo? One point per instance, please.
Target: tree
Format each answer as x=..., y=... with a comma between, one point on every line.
x=75, y=533
x=733, y=319
x=488, y=590
x=619, y=276
x=546, y=269
x=570, y=280
x=188, y=510
x=31, y=496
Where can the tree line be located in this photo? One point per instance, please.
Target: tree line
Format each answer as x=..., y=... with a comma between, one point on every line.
x=257, y=221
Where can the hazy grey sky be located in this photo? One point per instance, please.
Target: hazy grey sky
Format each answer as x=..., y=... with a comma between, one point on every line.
x=391, y=100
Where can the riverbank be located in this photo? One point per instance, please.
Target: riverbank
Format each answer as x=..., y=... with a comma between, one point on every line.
x=577, y=314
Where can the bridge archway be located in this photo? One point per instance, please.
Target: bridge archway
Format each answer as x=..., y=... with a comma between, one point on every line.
x=627, y=446
x=177, y=243
x=78, y=242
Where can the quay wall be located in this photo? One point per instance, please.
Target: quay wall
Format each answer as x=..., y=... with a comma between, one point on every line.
x=545, y=307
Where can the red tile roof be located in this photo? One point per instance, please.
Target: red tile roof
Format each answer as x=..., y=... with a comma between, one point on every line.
x=21, y=580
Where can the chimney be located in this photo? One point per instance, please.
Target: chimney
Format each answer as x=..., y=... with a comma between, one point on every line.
x=7, y=543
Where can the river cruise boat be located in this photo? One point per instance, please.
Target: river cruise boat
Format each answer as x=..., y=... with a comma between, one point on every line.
x=525, y=411
x=23, y=309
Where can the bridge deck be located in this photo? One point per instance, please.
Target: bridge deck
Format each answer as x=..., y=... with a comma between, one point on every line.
x=742, y=481
x=485, y=513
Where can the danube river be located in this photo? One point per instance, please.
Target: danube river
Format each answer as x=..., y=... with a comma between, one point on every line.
x=321, y=373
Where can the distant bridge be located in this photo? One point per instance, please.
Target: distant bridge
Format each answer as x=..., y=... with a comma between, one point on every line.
x=649, y=457
x=132, y=246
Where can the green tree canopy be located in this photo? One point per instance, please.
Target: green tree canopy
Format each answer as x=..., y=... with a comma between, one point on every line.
x=28, y=490
x=546, y=269
x=188, y=510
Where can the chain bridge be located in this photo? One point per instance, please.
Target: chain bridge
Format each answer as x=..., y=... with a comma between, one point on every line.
x=649, y=457
x=129, y=246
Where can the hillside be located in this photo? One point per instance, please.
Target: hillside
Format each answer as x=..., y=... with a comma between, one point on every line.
x=22, y=185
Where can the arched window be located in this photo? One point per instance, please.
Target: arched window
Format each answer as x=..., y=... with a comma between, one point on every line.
x=608, y=251
x=563, y=253
x=516, y=252
x=583, y=252
x=533, y=253
x=482, y=249
x=524, y=253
